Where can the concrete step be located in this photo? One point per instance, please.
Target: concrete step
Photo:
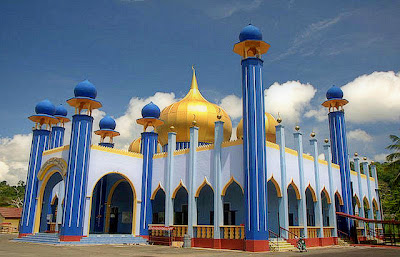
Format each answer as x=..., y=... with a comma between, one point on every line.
x=280, y=245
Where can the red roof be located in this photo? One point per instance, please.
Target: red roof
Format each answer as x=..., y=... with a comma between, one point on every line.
x=9, y=212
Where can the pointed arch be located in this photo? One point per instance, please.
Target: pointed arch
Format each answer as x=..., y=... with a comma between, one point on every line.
x=325, y=192
x=375, y=204
x=54, y=199
x=313, y=195
x=156, y=191
x=357, y=201
x=296, y=189
x=231, y=180
x=205, y=182
x=177, y=189
x=366, y=203
x=277, y=187
x=339, y=197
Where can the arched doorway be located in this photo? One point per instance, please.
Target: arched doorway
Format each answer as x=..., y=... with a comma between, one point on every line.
x=181, y=206
x=310, y=199
x=293, y=204
x=326, y=206
x=113, y=206
x=273, y=207
x=205, y=205
x=233, y=199
x=158, y=206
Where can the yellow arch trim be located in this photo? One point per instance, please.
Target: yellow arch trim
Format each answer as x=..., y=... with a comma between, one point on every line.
x=357, y=201
x=296, y=189
x=231, y=180
x=60, y=163
x=375, y=204
x=366, y=203
x=340, y=197
x=277, y=187
x=134, y=200
x=177, y=189
x=313, y=194
x=325, y=192
x=40, y=199
x=205, y=182
x=156, y=191
x=54, y=199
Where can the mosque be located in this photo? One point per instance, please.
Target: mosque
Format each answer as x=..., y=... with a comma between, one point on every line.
x=185, y=174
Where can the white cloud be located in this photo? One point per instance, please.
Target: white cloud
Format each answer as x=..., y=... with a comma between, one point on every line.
x=359, y=135
x=320, y=114
x=232, y=105
x=289, y=99
x=373, y=97
x=380, y=157
x=226, y=8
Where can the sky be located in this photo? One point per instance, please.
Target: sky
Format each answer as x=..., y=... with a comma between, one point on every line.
x=136, y=51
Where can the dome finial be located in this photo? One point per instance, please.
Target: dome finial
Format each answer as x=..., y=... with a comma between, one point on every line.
x=279, y=119
x=194, y=80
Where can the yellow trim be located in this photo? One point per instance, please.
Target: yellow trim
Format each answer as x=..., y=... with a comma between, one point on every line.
x=371, y=178
x=56, y=150
x=232, y=143
x=322, y=162
x=375, y=204
x=291, y=151
x=296, y=189
x=272, y=145
x=117, y=151
x=277, y=187
x=308, y=157
x=42, y=173
x=160, y=155
x=365, y=201
x=40, y=199
x=352, y=172
x=231, y=180
x=357, y=201
x=335, y=166
x=205, y=147
x=177, y=189
x=181, y=151
x=313, y=195
x=205, y=182
x=340, y=197
x=153, y=196
x=328, y=198
x=53, y=200
x=364, y=176
x=134, y=199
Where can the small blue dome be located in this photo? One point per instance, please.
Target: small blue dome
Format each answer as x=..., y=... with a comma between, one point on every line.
x=250, y=32
x=151, y=111
x=107, y=123
x=45, y=107
x=61, y=111
x=334, y=93
x=85, y=89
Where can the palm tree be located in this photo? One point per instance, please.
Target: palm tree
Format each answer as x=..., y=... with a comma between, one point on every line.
x=394, y=158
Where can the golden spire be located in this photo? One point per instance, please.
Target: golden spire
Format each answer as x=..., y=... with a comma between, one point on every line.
x=194, y=80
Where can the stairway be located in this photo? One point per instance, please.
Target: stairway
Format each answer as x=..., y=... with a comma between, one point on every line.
x=280, y=245
x=46, y=238
x=343, y=242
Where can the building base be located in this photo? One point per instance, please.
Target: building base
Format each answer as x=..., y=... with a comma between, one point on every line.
x=70, y=238
x=314, y=242
x=24, y=234
x=145, y=237
x=256, y=245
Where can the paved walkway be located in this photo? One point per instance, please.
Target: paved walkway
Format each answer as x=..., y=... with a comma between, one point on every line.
x=10, y=249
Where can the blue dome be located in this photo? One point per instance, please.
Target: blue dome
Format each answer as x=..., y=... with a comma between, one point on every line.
x=151, y=111
x=250, y=32
x=107, y=123
x=45, y=107
x=334, y=93
x=61, y=111
x=85, y=89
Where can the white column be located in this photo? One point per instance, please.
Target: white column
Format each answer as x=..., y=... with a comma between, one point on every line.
x=298, y=139
x=192, y=208
x=332, y=206
x=318, y=205
x=169, y=208
x=218, y=205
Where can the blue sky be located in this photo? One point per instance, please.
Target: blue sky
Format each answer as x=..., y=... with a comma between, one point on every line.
x=132, y=49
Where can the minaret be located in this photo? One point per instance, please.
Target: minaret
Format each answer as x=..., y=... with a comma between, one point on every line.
x=78, y=161
x=40, y=140
x=57, y=131
x=250, y=48
x=337, y=129
x=107, y=129
x=150, y=115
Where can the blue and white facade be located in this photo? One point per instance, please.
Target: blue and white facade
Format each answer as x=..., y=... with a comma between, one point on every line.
x=224, y=194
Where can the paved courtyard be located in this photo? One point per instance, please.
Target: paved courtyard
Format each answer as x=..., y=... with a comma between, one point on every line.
x=10, y=248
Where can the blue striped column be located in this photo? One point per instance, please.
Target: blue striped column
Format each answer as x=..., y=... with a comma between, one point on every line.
x=254, y=156
x=337, y=129
x=283, y=201
x=192, y=208
x=169, y=208
x=76, y=182
x=332, y=206
x=360, y=191
x=149, y=146
x=56, y=137
x=218, y=204
x=318, y=205
x=40, y=140
x=298, y=141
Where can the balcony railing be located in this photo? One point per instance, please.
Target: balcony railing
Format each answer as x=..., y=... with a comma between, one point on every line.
x=294, y=231
x=180, y=230
x=204, y=231
x=233, y=232
x=312, y=232
x=328, y=231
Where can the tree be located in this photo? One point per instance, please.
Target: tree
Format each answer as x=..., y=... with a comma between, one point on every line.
x=394, y=158
x=12, y=196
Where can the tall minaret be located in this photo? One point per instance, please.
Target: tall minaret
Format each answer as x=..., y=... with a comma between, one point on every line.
x=150, y=118
x=337, y=129
x=40, y=140
x=78, y=161
x=57, y=131
x=251, y=47
x=107, y=129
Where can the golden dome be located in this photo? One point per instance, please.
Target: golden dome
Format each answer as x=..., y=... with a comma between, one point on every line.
x=136, y=145
x=193, y=107
x=270, y=132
